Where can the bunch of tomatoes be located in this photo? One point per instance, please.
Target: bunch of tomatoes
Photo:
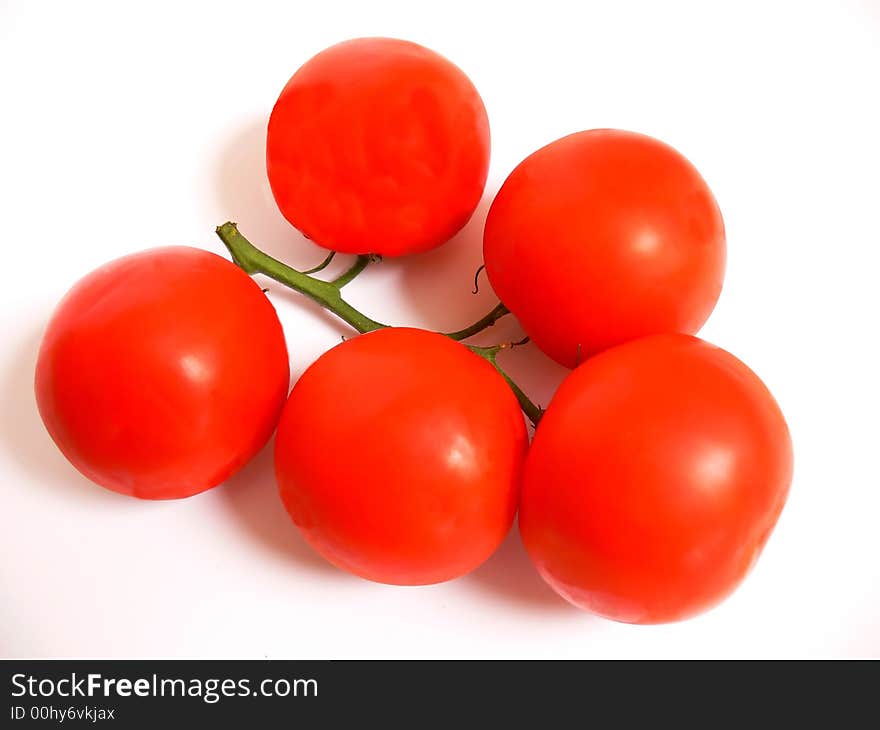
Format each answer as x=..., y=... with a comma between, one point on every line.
x=656, y=473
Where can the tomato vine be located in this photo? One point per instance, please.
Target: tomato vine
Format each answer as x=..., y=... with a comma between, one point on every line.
x=328, y=294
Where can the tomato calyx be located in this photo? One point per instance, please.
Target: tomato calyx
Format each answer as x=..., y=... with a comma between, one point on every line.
x=329, y=295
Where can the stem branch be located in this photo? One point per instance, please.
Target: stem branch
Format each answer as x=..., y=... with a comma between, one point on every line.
x=532, y=411
x=346, y=276
x=327, y=294
x=323, y=265
x=497, y=313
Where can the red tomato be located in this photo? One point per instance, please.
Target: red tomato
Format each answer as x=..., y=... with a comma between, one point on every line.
x=399, y=455
x=161, y=373
x=654, y=480
x=602, y=237
x=379, y=146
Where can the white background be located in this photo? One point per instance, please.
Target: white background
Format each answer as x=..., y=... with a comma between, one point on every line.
x=125, y=128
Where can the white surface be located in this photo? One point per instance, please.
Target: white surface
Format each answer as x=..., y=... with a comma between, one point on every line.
x=125, y=129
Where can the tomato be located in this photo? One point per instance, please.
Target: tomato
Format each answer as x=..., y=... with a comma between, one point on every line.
x=602, y=237
x=163, y=372
x=399, y=456
x=378, y=145
x=654, y=480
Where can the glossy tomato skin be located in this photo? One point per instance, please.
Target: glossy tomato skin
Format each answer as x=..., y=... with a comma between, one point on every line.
x=161, y=373
x=399, y=457
x=654, y=480
x=602, y=237
x=378, y=145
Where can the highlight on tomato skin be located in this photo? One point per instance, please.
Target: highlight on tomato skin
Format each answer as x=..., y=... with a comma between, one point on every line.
x=161, y=373
x=378, y=145
x=654, y=480
x=399, y=457
x=601, y=237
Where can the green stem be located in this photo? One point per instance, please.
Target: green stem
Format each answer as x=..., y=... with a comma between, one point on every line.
x=532, y=411
x=327, y=294
x=478, y=326
x=359, y=265
x=323, y=265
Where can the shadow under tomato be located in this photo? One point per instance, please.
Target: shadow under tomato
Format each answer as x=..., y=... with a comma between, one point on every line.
x=22, y=433
x=510, y=576
x=252, y=497
x=439, y=284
